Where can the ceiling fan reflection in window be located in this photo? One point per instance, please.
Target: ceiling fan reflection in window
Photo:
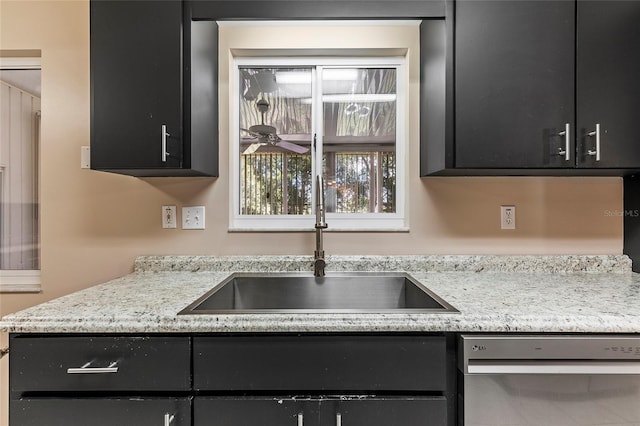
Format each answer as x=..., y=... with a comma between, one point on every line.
x=265, y=134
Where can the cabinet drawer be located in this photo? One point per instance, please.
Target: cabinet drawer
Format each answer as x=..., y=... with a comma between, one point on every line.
x=100, y=363
x=326, y=363
x=101, y=412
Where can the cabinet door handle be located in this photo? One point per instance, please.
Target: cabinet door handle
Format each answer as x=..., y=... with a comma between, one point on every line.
x=300, y=419
x=165, y=135
x=168, y=419
x=338, y=419
x=85, y=369
x=567, y=142
x=595, y=133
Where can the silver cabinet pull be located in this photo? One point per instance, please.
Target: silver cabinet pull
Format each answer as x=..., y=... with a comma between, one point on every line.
x=338, y=419
x=567, y=142
x=300, y=419
x=168, y=418
x=595, y=133
x=85, y=369
x=165, y=135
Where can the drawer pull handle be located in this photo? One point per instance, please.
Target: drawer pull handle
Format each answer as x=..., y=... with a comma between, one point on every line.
x=338, y=419
x=165, y=135
x=300, y=419
x=168, y=419
x=567, y=142
x=85, y=369
x=595, y=133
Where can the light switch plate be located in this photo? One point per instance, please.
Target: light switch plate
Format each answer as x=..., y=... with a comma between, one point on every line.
x=193, y=217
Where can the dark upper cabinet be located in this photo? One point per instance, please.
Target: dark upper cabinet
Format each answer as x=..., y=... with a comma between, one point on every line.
x=514, y=73
x=536, y=84
x=608, y=83
x=141, y=91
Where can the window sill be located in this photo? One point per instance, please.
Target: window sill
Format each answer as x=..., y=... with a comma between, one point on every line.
x=20, y=281
x=355, y=223
x=405, y=229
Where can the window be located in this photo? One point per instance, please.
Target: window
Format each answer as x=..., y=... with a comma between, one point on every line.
x=19, y=145
x=299, y=118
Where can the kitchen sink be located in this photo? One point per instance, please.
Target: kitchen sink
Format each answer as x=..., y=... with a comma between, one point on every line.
x=304, y=293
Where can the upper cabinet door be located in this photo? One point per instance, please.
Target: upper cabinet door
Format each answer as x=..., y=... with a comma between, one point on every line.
x=514, y=84
x=136, y=85
x=608, y=84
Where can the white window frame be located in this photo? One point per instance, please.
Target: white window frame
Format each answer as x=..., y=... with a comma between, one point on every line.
x=394, y=222
x=19, y=281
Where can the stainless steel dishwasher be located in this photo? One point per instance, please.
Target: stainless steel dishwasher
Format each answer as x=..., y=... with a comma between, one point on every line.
x=557, y=380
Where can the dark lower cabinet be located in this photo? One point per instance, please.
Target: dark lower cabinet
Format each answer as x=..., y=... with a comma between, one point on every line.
x=320, y=363
x=99, y=380
x=324, y=380
x=101, y=412
x=232, y=379
x=323, y=411
x=100, y=364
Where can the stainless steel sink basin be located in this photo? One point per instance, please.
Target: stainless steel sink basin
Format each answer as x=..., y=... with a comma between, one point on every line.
x=303, y=293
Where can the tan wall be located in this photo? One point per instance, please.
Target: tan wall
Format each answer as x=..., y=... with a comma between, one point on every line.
x=94, y=224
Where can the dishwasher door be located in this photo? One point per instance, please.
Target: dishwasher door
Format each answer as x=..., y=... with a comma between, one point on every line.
x=549, y=380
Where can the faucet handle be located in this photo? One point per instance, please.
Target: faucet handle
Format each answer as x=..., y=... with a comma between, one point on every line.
x=319, y=263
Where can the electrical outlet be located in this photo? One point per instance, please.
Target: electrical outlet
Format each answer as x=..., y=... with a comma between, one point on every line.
x=169, y=220
x=85, y=157
x=193, y=217
x=507, y=217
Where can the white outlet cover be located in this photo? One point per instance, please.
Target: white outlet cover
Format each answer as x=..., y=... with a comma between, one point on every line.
x=507, y=217
x=85, y=157
x=193, y=217
x=169, y=220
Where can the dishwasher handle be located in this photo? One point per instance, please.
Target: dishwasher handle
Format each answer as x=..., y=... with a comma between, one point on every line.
x=551, y=367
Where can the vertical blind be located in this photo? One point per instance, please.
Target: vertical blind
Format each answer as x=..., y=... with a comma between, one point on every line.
x=19, y=137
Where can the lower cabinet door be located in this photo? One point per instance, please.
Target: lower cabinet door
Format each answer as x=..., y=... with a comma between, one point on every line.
x=255, y=411
x=384, y=411
x=100, y=412
x=340, y=410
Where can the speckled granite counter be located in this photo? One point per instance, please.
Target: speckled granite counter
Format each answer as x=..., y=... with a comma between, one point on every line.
x=493, y=293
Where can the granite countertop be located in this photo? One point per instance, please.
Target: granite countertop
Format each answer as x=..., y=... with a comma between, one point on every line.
x=595, y=294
